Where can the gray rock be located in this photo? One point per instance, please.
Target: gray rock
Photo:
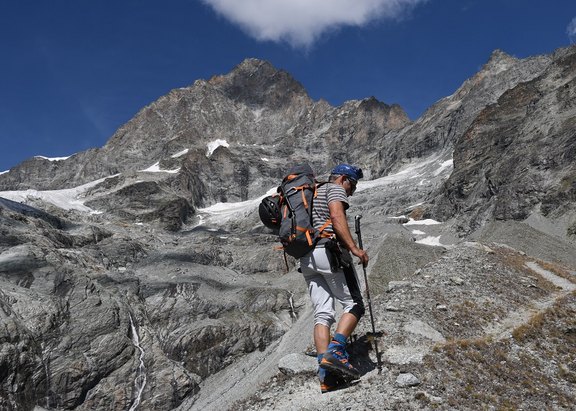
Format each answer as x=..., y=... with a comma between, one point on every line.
x=421, y=328
x=431, y=399
x=296, y=363
x=406, y=380
x=519, y=136
x=402, y=355
x=456, y=280
x=397, y=285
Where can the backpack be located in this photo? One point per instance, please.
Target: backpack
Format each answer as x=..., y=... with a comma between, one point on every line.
x=294, y=204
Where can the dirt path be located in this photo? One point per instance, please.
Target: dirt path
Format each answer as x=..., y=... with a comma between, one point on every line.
x=504, y=328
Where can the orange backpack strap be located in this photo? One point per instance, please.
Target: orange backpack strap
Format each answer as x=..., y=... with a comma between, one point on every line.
x=324, y=226
x=301, y=189
x=304, y=200
x=307, y=232
x=316, y=186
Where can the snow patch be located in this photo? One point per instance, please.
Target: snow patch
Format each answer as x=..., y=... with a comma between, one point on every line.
x=213, y=145
x=53, y=158
x=414, y=206
x=4, y=172
x=264, y=159
x=433, y=241
x=445, y=165
x=180, y=153
x=155, y=168
x=427, y=221
x=66, y=199
x=223, y=212
x=418, y=232
x=413, y=170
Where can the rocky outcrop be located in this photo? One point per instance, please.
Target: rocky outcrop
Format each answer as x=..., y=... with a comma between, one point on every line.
x=100, y=318
x=262, y=118
x=443, y=123
x=145, y=201
x=519, y=154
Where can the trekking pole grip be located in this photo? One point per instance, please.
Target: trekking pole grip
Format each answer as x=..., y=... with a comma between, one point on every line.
x=358, y=232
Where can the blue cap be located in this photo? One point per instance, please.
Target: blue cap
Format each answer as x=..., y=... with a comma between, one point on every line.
x=347, y=170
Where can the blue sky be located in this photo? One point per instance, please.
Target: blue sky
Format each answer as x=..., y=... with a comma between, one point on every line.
x=73, y=71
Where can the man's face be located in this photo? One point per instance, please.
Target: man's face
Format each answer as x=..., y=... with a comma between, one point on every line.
x=350, y=185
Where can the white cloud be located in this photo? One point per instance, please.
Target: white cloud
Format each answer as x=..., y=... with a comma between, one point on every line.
x=302, y=22
x=571, y=30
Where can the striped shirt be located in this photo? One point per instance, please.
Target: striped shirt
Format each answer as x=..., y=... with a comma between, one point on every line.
x=327, y=193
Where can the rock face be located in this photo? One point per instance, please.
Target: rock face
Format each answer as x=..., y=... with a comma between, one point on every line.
x=83, y=306
x=528, y=134
x=262, y=117
x=443, y=123
x=258, y=110
x=147, y=281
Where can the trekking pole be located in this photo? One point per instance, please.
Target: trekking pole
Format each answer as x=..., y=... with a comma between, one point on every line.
x=374, y=335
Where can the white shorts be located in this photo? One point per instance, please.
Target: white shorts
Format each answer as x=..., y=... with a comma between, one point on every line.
x=325, y=286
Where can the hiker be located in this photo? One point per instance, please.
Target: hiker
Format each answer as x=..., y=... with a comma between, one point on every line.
x=330, y=275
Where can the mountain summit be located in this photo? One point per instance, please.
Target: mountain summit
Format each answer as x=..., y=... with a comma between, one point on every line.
x=257, y=83
x=254, y=112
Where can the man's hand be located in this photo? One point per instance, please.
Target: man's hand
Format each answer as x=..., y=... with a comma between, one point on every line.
x=340, y=224
x=362, y=255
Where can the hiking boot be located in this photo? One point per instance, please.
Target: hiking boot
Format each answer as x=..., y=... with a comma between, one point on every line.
x=331, y=382
x=336, y=359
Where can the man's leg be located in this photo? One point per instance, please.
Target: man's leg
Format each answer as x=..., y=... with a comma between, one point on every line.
x=323, y=317
x=345, y=287
x=321, y=338
x=347, y=324
x=323, y=286
x=349, y=319
x=323, y=304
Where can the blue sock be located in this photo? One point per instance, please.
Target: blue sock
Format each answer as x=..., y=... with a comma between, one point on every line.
x=339, y=339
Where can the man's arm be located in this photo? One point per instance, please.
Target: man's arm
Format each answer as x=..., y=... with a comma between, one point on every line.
x=340, y=225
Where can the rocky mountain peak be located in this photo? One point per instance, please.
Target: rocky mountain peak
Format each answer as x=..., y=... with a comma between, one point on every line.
x=499, y=61
x=253, y=66
x=499, y=56
x=394, y=111
x=258, y=83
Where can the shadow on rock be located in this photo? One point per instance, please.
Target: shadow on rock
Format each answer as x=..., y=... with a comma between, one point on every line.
x=359, y=350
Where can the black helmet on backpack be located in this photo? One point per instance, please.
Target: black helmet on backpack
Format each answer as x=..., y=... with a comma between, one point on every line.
x=269, y=211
